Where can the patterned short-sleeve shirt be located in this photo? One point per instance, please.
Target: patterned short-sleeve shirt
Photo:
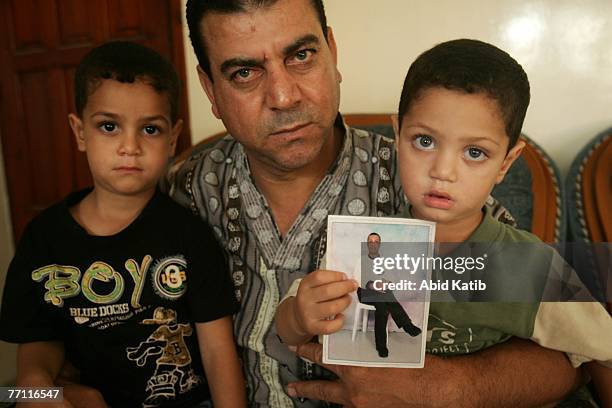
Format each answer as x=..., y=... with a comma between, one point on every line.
x=215, y=182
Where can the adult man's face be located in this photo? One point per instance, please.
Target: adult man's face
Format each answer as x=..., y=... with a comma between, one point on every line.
x=373, y=244
x=274, y=81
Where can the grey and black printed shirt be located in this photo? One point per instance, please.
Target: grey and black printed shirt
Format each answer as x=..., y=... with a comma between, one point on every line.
x=215, y=182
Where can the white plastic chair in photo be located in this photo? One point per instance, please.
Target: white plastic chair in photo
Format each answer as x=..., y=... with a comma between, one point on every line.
x=359, y=307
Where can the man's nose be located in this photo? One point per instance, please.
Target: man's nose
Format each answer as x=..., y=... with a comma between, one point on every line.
x=130, y=143
x=283, y=89
x=444, y=166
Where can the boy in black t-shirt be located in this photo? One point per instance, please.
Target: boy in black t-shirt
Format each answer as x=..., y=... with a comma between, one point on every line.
x=113, y=276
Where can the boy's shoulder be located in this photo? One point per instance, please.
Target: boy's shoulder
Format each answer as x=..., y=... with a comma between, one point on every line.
x=176, y=217
x=514, y=234
x=167, y=205
x=491, y=229
x=56, y=215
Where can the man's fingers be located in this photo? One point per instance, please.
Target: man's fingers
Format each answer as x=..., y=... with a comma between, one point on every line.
x=331, y=391
x=314, y=352
x=81, y=396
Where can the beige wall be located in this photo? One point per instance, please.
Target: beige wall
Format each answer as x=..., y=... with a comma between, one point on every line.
x=7, y=351
x=564, y=46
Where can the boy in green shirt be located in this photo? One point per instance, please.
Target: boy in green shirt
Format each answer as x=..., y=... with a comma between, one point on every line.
x=457, y=133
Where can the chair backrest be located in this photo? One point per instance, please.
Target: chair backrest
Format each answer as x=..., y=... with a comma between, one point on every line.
x=589, y=187
x=531, y=190
x=589, y=203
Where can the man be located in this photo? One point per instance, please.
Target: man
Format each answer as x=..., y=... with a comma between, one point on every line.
x=364, y=273
x=373, y=242
x=269, y=70
x=383, y=300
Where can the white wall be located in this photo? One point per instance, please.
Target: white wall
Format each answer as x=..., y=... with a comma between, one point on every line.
x=565, y=47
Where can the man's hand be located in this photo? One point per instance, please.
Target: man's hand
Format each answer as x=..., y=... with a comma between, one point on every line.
x=77, y=395
x=515, y=373
x=46, y=404
x=81, y=396
x=317, y=308
x=434, y=386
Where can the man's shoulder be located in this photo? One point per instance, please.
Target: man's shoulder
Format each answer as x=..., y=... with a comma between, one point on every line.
x=214, y=153
x=172, y=216
x=207, y=161
x=374, y=149
x=369, y=138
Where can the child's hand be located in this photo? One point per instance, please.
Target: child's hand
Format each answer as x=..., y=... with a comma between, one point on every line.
x=321, y=298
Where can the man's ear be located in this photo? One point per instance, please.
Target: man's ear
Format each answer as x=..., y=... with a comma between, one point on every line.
x=174, y=134
x=331, y=43
x=395, y=122
x=207, y=85
x=512, y=155
x=76, y=124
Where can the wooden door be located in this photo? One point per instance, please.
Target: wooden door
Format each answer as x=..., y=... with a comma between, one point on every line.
x=41, y=43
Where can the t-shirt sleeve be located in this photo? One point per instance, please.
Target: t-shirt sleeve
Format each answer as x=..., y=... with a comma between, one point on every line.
x=583, y=330
x=209, y=286
x=25, y=316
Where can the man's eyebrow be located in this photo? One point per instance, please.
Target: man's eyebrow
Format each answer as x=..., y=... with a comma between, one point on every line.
x=308, y=39
x=240, y=62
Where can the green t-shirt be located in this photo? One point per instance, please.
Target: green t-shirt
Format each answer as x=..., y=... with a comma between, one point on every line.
x=465, y=327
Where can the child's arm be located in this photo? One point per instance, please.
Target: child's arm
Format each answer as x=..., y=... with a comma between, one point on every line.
x=38, y=365
x=317, y=307
x=221, y=363
x=602, y=379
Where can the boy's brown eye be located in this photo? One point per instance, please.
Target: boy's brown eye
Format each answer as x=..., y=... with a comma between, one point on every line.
x=151, y=130
x=109, y=127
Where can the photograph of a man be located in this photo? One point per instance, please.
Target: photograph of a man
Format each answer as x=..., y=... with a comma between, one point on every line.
x=364, y=247
x=383, y=301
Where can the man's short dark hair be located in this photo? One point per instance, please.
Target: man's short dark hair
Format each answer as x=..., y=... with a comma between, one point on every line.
x=125, y=62
x=471, y=66
x=197, y=9
x=373, y=233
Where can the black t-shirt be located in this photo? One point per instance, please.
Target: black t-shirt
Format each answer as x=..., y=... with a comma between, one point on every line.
x=123, y=304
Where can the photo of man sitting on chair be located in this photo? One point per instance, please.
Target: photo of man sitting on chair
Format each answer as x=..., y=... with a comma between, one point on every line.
x=385, y=304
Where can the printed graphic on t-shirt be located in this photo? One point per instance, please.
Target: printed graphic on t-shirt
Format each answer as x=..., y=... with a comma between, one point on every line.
x=169, y=279
x=445, y=338
x=99, y=291
x=173, y=373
